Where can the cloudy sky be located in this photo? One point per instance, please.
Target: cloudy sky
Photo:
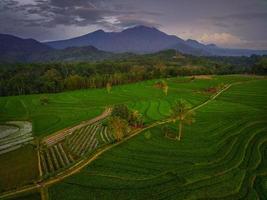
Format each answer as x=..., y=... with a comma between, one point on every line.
x=227, y=23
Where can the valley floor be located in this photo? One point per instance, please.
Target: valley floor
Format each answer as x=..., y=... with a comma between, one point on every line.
x=223, y=155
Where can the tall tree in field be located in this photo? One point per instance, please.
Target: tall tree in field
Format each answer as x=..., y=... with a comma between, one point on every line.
x=119, y=127
x=181, y=111
x=165, y=87
x=108, y=87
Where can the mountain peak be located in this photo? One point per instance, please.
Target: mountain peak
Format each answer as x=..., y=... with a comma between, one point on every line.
x=99, y=31
x=140, y=28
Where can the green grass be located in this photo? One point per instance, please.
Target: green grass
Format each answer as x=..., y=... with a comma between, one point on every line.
x=70, y=108
x=223, y=155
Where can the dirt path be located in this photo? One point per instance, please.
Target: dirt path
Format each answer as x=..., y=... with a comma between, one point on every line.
x=60, y=135
x=81, y=164
x=39, y=160
x=212, y=97
x=44, y=193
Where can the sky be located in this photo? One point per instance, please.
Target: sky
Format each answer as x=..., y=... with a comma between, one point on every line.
x=227, y=23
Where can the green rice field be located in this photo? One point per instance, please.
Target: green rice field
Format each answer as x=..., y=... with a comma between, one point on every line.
x=223, y=155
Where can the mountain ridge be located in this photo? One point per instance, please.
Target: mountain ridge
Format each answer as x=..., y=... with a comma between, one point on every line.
x=143, y=39
x=101, y=45
x=139, y=39
x=18, y=50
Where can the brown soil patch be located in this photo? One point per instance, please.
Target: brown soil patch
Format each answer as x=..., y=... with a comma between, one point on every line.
x=206, y=77
x=211, y=90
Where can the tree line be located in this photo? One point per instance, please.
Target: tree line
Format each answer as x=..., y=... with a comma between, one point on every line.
x=20, y=79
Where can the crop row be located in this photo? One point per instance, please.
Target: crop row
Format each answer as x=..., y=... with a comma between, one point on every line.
x=83, y=140
x=55, y=158
x=230, y=169
x=60, y=155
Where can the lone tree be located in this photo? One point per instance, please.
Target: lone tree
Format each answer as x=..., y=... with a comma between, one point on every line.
x=119, y=127
x=165, y=87
x=181, y=111
x=108, y=87
x=162, y=85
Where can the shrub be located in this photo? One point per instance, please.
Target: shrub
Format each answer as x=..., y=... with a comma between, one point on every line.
x=147, y=135
x=133, y=117
x=44, y=100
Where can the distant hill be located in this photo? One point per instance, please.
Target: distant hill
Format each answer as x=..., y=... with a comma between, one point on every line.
x=14, y=49
x=88, y=53
x=213, y=50
x=142, y=39
x=11, y=43
x=17, y=49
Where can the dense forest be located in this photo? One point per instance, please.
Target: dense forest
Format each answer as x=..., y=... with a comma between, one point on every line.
x=19, y=79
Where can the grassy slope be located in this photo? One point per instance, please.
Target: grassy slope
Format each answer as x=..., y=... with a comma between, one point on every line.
x=218, y=157
x=70, y=108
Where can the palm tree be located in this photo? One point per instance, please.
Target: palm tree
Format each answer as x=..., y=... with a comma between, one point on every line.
x=162, y=85
x=136, y=119
x=182, y=112
x=118, y=126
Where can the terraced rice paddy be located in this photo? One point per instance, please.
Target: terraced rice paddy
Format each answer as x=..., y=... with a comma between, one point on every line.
x=70, y=108
x=221, y=156
x=55, y=157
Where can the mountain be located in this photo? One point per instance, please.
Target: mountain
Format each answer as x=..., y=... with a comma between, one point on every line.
x=88, y=53
x=15, y=48
x=195, y=44
x=139, y=39
x=234, y=52
x=101, y=45
x=142, y=39
x=213, y=50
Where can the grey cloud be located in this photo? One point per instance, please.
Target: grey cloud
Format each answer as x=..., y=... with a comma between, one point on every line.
x=243, y=16
x=248, y=26
x=79, y=12
x=128, y=22
x=60, y=19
